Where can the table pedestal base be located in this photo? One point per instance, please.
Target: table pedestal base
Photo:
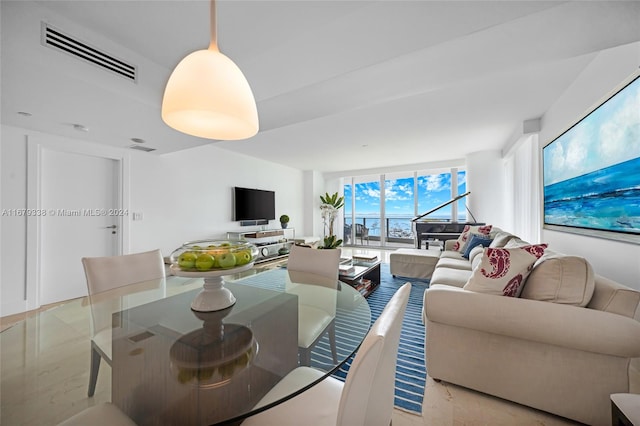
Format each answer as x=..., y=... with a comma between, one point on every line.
x=214, y=296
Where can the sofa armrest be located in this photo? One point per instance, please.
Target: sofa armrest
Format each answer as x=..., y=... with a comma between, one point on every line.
x=448, y=244
x=551, y=323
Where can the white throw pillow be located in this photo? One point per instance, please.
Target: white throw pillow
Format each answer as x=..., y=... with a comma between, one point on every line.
x=502, y=271
x=466, y=234
x=516, y=242
x=500, y=239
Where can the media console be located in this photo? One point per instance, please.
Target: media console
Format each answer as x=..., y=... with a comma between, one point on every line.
x=268, y=241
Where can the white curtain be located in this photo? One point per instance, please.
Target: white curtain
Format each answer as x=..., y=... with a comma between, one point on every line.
x=522, y=167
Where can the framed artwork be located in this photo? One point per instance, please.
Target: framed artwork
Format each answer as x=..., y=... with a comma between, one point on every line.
x=591, y=172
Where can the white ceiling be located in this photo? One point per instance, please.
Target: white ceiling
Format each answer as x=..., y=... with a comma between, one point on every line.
x=340, y=85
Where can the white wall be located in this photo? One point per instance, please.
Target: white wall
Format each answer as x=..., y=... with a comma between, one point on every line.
x=616, y=260
x=485, y=180
x=13, y=192
x=313, y=188
x=182, y=196
x=187, y=195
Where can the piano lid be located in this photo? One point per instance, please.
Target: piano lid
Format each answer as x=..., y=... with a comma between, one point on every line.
x=453, y=200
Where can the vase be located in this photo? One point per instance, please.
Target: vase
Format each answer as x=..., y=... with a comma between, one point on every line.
x=284, y=225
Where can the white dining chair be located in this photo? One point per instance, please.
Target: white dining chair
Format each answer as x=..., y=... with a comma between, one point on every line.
x=105, y=414
x=316, y=305
x=108, y=273
x=364, y=399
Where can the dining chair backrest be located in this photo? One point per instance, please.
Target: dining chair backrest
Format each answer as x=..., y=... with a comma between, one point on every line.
x=111, y=272
x=368, y=393
x=313, y=290
x=323, y=262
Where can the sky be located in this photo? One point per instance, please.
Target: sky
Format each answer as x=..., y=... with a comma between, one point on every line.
x=608, y=136
x=433, y=190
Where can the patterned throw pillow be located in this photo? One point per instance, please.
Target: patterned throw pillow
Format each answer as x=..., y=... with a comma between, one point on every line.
x=502, y=271
x=466, y=234
x=474, y=241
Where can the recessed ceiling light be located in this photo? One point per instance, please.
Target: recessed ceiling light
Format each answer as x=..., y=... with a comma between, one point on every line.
x=80, y=128
x=137, y=140
x=24, y=113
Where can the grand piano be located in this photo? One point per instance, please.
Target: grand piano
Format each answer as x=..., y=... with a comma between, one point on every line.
x=425, y=229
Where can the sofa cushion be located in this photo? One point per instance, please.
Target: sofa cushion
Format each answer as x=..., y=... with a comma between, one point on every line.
x=466, y=234
x=502, y=271
x=476, y=257
x=500, y=239
x=452, y=263
x=451, y=254
x=560, y=279
x=450, y=276
x=516, y=242
x=474, y=241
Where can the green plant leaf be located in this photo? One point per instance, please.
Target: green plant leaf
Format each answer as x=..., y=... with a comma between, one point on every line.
x=331, y=242
x=333, y=200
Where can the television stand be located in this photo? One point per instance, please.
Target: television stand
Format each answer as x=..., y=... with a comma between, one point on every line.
x=268, y=241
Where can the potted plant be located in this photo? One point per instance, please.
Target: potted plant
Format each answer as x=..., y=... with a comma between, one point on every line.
x=329, y=208
x=284, y=221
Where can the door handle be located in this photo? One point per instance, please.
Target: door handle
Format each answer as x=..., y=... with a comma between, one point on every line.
x=110, y=227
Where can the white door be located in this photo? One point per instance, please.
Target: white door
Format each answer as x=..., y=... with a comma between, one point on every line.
x=79, y=194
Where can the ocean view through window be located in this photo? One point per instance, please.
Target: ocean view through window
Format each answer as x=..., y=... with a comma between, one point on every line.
x=386, y=204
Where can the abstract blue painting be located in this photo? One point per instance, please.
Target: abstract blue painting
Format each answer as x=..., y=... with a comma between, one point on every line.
x=592, y=171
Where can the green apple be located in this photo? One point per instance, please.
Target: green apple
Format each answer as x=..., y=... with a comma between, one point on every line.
x=187, y=260
x=243, y=257
x=204, y=262
x=227, y=260
x=225, y=245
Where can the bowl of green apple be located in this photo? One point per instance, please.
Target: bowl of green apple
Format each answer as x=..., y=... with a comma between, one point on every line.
x=201, y=257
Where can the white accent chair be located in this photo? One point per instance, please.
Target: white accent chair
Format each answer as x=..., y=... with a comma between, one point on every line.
x=316, y=303
x=365, y=399
x=105, y=414
x=108, y=273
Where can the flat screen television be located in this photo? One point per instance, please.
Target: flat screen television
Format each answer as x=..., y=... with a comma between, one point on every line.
x=253, y=204
x=591, y=172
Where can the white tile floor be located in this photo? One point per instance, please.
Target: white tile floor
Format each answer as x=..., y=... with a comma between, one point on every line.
x=44, y=365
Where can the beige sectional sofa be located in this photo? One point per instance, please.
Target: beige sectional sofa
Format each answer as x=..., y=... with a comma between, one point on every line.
x=570, y=340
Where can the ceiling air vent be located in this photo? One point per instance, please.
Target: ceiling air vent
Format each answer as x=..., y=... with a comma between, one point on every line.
x=56, y=39
x=141, y=148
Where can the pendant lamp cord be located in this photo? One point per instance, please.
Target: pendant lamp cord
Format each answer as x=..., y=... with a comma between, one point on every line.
x=213, y=45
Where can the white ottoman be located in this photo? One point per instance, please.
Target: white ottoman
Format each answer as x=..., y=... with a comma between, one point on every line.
x=414, y=263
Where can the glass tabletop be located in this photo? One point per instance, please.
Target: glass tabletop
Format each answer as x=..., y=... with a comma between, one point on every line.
x=173, y=365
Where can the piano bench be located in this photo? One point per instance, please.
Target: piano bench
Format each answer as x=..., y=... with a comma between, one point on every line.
x=414, y=263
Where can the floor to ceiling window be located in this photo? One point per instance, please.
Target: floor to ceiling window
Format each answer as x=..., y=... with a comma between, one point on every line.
x=379, y=208
x=400, y=207
x=362, y=210
x=462, y=189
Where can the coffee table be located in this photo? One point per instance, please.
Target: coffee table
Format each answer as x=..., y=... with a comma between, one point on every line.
x=365, y=277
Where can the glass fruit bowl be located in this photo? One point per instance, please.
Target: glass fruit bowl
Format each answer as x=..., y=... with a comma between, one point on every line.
x=212, y=260
x=212, y=255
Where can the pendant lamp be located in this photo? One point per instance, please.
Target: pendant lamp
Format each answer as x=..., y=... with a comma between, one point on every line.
x=208, y=96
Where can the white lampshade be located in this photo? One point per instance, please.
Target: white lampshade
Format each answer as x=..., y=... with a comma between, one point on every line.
x=208, y=96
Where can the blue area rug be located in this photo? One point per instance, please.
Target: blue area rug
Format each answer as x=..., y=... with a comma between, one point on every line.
x=410, y=368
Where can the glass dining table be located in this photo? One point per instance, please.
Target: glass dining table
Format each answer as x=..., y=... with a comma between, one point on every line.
x=173, y=365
